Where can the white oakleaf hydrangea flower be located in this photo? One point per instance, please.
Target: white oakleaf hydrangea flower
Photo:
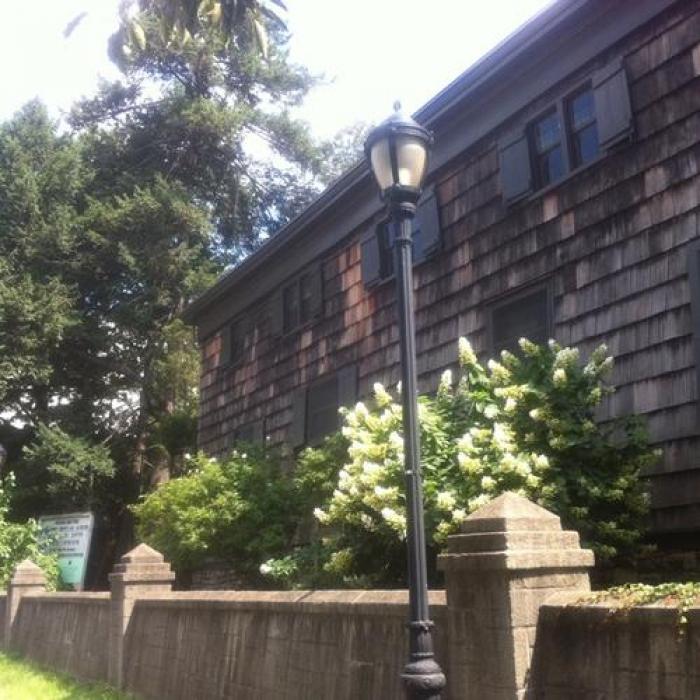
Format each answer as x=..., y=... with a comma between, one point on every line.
x=445, y=500
x=459, y=515
x=381, y=395
x=320, y=515
x=445, y=381
x=488, y=483
x=559, y=376
x=491, y=411
x=466, y=353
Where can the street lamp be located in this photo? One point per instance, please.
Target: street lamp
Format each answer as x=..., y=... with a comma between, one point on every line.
x=397, y=151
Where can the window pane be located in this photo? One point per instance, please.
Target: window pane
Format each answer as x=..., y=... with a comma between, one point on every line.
x=581, y=109
x=550, y=166
x=291, y=307
x=547, y=132
x=525, y=317
x=585, y=144
x=305, y=301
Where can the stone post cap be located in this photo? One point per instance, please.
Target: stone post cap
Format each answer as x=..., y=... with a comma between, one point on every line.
x=511, y=533
x=510, y=512
x=143, y=564
x=27, y=573
x=142, y=554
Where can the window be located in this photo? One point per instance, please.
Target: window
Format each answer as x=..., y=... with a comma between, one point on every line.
x=574, y=131
x=300, y=301
x=315, y=408
x=547, y=149
x=582, y=129
x=377, y=245
x=233, y=339
x=525, y=314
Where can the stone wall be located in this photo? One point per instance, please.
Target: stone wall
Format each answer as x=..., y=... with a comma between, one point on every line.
x=595, y=653
x=65, y=631
x=339, y=645
x=503, y=630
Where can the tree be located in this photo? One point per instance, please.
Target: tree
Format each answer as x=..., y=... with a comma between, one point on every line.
x=109, y=231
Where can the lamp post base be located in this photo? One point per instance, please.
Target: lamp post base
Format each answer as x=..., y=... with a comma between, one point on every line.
x=423, y=679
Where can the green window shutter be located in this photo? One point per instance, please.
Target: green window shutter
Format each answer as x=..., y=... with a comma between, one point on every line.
x=515, y=168
x=612, y=104
x=371, y=259
x=297, y=429
x=426, y=228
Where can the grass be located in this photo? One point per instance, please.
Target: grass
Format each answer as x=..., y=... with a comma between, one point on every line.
x=20, y=680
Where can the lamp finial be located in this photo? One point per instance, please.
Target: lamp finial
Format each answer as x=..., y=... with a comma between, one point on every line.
x=397, y=106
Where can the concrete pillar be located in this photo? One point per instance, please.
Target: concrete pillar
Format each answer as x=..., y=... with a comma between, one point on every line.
x=510, y=557
x=142, y=573
x=28, y=578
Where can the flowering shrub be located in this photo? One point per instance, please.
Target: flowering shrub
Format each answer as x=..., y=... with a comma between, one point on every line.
x=524, y=424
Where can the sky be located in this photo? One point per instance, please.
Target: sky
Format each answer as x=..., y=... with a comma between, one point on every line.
x=370, y=52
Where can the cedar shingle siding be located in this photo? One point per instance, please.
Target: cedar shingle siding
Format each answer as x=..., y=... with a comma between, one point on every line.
x=611, y=243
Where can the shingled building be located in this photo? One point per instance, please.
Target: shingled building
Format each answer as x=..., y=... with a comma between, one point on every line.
x=562, y=202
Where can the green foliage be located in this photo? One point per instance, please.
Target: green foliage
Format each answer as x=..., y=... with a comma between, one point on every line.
x=20, y=541
x=682, y=596
x=240, y=509
x=526, y=424
x=70, y=472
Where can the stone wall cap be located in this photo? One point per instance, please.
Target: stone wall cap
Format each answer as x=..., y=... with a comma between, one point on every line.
x=518, y=560
x=27, y=573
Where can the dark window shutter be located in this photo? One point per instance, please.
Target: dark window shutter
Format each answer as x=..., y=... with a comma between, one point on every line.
x=426, y=228
x=527, y=315
x=276, y=315
x=694, y=282
x=225, y=353
x=371, y=259
x=251, y=433
x=297, y=429
x=612, y=104
x=322, y=416
x=317, y=291
x=516, y=172
x=347, y=386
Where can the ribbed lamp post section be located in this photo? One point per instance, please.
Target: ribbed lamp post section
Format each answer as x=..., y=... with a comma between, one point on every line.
x=397, y=151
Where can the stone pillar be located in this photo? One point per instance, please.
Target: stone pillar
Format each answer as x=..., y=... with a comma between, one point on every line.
x=510, y=557
x=142, y=573
x=27, y=578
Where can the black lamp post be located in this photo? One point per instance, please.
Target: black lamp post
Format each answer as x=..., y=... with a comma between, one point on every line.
x=397, y=151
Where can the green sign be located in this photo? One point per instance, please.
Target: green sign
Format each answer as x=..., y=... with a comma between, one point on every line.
x=69, y=536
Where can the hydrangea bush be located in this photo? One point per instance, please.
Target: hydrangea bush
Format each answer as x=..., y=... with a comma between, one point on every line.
x=524, y=424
